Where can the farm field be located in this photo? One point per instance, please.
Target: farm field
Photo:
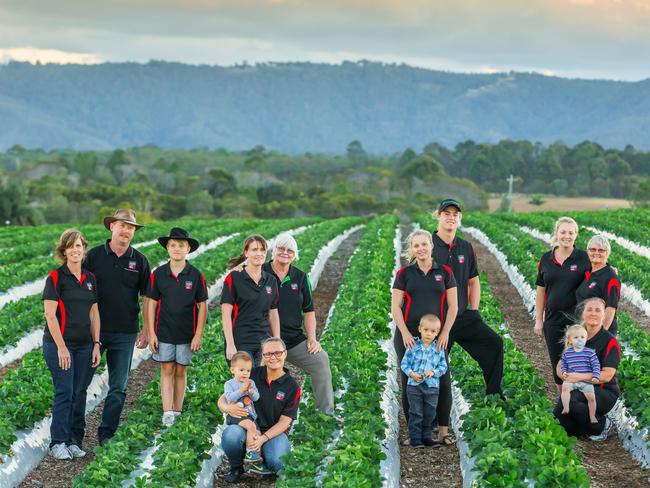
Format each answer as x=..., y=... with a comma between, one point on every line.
x=514, y=441
x=521, y=203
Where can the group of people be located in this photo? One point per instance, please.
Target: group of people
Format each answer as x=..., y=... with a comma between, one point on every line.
x=92, y=307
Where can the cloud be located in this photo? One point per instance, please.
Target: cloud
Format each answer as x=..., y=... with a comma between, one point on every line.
x=34, y=55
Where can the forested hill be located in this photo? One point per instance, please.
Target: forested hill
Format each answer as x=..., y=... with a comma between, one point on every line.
x=297, y=107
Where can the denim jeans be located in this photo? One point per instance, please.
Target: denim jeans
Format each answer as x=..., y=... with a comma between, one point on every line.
x=119, y=352
x=69, y=405
x=422, y=411
x=233, y=443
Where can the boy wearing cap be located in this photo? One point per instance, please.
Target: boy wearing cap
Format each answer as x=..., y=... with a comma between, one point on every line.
x=469, y=331
x=176, y=319
x=122, y=274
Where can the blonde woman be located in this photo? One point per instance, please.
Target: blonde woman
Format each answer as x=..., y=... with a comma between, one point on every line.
x=560, y=272
x=70, y=343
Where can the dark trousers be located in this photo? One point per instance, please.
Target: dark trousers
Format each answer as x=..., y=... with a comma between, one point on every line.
x=422, y=411
x=577, y=422
x=69, y=405
x=554, y=337
x=484, y=346
x=119, y=353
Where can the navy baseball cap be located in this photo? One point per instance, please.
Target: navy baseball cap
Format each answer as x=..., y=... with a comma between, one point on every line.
x=449, y=202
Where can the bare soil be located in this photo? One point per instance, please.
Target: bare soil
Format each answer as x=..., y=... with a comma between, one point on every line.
x=11, y=366
x=324, y=297
x=51, y=473
x=520, y=203
x=608, y=463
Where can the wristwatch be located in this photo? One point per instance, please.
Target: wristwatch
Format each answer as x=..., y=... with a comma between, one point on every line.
x=98, y=343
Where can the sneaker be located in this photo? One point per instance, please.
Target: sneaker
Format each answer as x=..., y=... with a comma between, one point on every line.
x=603, y=435
x=417, y=444
x=168, y=419
x=430, y=443
x=234, y=475
x=259, y=469
x=76, y=451
x=60, y=451
x=252, y=457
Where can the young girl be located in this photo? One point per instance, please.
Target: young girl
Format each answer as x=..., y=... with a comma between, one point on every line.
x=424, y=365
x=177, y=289
x=577, y=358
x=243, y=391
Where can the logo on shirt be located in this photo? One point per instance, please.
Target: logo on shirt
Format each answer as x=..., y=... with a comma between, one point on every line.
x=280, y=395
x=132, y=265
x=573, y=267
x=294, y=286
x=188, y=285
x=268, y=289
x=438, y=277
x=461, y=258
x=592, y=285
x=89, y=285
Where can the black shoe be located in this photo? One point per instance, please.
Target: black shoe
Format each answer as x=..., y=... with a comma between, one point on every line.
x=430, y=443
x=234, y=475
x=417, y=444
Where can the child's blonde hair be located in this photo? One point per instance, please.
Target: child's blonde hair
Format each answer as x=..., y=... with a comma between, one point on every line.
x=431, y=319
x=570, y=330
x=241, y=356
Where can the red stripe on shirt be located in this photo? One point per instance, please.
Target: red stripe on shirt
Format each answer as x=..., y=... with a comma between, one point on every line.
x=228, y=281
x=205, y=288
x=158, y=313
x=296, y=400
x=62, y=310
x=81, y=281
x=614, y=283
x=194, y=317
x=587, y=275
x=613, y=343
x=407, y=307
x=442, y=307
x=235, y=312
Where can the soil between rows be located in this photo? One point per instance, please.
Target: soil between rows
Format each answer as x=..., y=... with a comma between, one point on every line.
x=608, y=463
x=324, y=296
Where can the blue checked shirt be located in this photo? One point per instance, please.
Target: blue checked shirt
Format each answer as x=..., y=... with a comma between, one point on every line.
x=420, y=358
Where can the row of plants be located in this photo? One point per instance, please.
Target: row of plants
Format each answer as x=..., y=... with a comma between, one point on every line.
x=633, y=373
x=183, y=447
x=22, y=316
x=40, y=251
x=359, y=321
x=30, y=382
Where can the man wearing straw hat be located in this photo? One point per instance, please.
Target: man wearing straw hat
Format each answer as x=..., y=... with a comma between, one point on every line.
x=122, y=274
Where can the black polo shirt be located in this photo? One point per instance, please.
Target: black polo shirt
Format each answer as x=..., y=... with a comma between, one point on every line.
x=178, y=300
x=604, y=284
x=120, y=281
x=278, y=397
x=75, y=299
x=251, y=304
x=424, y=293
x=608, y=351
x=295, y=300
x=561, y=282
x=459, y=255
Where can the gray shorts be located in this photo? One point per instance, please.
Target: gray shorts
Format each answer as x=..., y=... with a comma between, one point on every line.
x=583, y=386
x=173, y=353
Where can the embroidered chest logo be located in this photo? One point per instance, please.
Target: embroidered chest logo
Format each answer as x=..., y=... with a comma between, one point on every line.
x=461, y=258
x=268, y=289
x=280, y=395
x=592, y=285
x=294, y=286
x=188, y=285
x=438, y=278
x=89, y=285
x=132, y=265
x=573, y=267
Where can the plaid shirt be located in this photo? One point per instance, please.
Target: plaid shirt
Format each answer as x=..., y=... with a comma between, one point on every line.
x=420, y=359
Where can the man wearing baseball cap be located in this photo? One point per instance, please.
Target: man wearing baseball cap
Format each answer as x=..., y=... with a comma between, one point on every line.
x=469, y=331
x=122, y=274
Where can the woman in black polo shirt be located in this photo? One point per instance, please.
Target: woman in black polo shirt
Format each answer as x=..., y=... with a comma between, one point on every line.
x=249, y=302
x=608, y=350
x=560, y=272
x=602, y=281
x=70, y=342
x=422, y=287
x=277, y=408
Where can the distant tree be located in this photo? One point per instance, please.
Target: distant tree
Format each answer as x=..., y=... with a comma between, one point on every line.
x=355, y=151
x=219, y=182
x=641, y=194
x=407, y=156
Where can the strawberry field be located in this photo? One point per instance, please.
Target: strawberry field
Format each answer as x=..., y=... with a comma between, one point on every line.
x=514, y=441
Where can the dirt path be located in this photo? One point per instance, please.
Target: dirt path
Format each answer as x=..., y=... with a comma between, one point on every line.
x=9, y=367
x=426, y=466
x=324, y=297
x=58, y=474
x=608, y=463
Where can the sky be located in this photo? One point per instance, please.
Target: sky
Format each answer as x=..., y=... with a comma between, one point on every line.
x=604, y=39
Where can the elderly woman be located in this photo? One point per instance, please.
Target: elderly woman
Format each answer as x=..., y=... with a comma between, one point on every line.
x=576, y=422
x=602, y=281
x=298, y=321
x=70, y=343
x=277, y=408
x=561, y=271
